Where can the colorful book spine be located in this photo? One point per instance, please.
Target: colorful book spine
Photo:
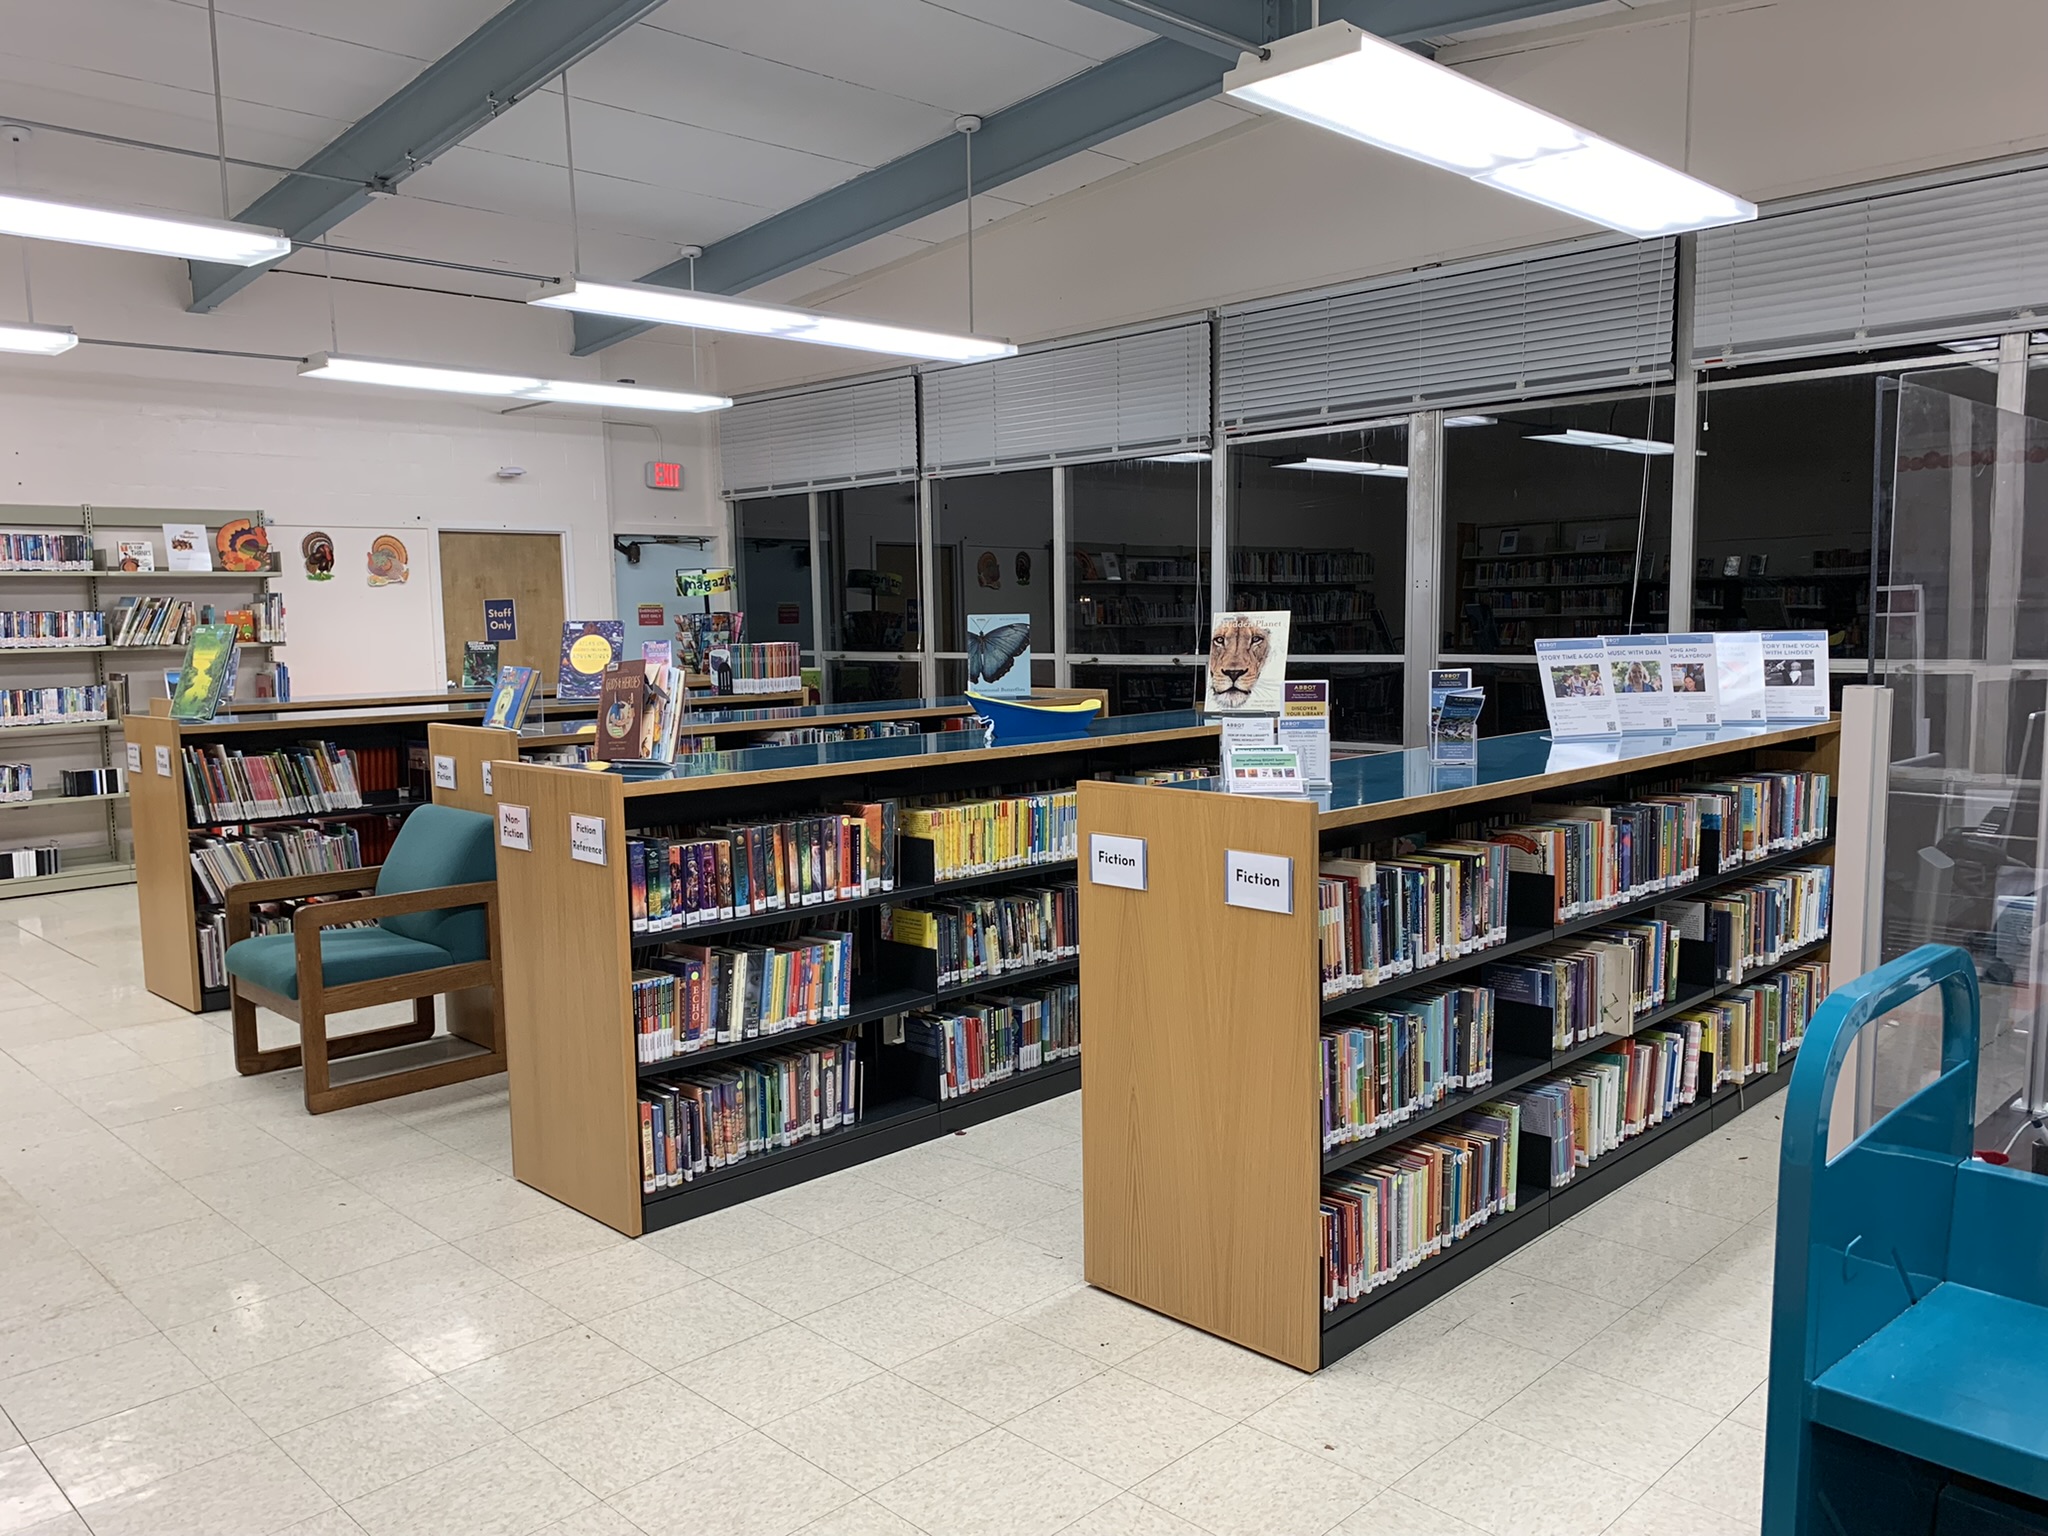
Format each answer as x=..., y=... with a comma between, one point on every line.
x=980, y=837
x=983, y=937
x=1384, y=1065
x=693, y=1123
x=975, y=1047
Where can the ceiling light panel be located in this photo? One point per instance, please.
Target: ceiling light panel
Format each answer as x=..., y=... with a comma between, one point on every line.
x=115, y=229
x=502, y=386
x=1349, y=467
x=742, y=317
x=1351, y=82
x=1615, y=443
x=37, y=340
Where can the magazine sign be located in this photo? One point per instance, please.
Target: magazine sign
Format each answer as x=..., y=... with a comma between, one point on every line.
x=1118, y=861
x=515, y=827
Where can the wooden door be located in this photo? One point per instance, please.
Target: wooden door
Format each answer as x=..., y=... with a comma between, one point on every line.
x=525, y=567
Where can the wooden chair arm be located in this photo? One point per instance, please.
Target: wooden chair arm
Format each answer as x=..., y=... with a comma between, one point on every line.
x=479, y=893
x=245, y=894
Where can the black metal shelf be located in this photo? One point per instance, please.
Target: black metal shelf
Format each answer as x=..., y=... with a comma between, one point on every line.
x=1003, y=983
x=1529, y=938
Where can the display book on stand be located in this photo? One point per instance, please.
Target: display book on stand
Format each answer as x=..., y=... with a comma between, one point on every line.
x=725, y=983
x=1473, y=998
x=48, y=550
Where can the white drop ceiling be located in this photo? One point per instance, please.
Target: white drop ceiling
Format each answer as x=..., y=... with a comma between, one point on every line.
x=701, y=120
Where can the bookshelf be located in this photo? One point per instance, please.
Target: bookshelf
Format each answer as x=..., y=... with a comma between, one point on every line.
x=571, y=953
x=1202, y=1125
x=87, y=830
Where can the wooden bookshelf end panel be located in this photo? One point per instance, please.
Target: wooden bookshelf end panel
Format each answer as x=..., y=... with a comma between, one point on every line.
x=467, y=748
x=1199, y=1110
x=163, y=863
x=569, y=1042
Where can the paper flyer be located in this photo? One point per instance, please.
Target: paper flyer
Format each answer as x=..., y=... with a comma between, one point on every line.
x=1641, y=686
x=1740, y=657
x=1304, y=725
x=1575, y=692
x=1796, y=674
x=1695, y=680
x=1454, y=727
x=1444, y=680
x=1264, y=771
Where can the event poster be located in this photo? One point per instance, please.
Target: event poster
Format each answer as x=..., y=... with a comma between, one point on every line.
x=1573, y=674
x=1694, y=676
x=1247, y=661
x=1304, y=725
x=1642, y=688
x=1796, y=674
x=1741, y=657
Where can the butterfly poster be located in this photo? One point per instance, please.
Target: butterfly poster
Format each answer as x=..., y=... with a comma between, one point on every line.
x=999, y=654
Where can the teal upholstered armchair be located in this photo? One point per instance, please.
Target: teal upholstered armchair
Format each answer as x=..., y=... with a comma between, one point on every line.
x=430, y=929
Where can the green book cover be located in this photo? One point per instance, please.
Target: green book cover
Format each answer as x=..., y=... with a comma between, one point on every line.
x=206, y=675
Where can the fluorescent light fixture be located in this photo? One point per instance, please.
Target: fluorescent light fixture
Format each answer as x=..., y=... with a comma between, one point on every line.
x=1351, y=82
x=501, y=386
x=626, y=396
x=155, y=234
x=1350, y=467
x=1178, y=458
x=744, y=317
x=1471, y=421
x=42, y=340
x=1646, y=446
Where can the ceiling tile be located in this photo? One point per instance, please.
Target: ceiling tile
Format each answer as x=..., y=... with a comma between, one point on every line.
x=422, y=32
x=951, y=223
x=1061, y=176
x=473, y=178
x=1177, y=130
x=1059, y=22
x=912, y=49
x=868, y=255
x=667, y=75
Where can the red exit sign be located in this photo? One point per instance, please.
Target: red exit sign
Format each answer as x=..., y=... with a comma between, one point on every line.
x=663, y=476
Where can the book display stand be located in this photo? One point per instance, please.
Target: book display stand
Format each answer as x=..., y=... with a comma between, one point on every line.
x=573, y=959
x=1202, y=1124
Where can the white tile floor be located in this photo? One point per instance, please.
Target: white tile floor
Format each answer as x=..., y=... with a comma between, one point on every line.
x=221, y=1316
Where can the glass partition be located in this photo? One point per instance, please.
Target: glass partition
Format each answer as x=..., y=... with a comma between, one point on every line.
x=872, y=582
x=1557, y=522
x=992, y=554
x=772, y=538
x=1963, y=646
x=1138, y=579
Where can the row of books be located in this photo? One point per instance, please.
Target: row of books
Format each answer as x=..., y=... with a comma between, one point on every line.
x=698, y=634
x=1381, y=918
x=1756, y=924
x=1385, y=1065
x=818, y=735
x=25, y=863
x=45, y=552
x=977, y=1046
x=1301, y=567
x=769, y=666
x=53, y=706
x=715, y=874
x=164, y=621
x=696, y=1123
x=1751, y=1030
x=981, y=837
x=85, y=783
x=17, y=781
x=1384, y=1217
x=220, y=862
x=690, y=997
x=1598, y=983
x=50, y=628
x=977, y=937
x=306, y=777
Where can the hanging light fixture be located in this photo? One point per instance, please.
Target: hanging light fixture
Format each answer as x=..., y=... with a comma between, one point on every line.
x=1348, y=467
x=743, y=317
x=39, y=340
x=1348, y=81
x=340, y=369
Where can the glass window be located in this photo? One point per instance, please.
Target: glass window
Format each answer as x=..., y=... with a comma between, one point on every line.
x=1558, y=522
x=1365, y=699
x=1138, y=584
x=1785, y=502
x=1319, y=528
x=991, y=555
x=773, y=534
x=867, y=536
x=1514, y=699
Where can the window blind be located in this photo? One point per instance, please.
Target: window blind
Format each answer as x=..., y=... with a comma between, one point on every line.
x=1579, y=319
x=1923, y=265
x=841, y=435
x=1147, y=392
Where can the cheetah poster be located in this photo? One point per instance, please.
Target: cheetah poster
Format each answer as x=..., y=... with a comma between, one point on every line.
x=1247, y=663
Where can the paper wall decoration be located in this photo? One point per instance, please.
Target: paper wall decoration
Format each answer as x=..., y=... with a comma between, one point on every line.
x=317, y=550
x=387, y=562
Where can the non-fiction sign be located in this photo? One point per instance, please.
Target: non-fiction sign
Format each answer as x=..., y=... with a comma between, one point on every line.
x=515, y=827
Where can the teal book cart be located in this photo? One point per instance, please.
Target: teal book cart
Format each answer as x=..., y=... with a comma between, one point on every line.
x=1909, y=1330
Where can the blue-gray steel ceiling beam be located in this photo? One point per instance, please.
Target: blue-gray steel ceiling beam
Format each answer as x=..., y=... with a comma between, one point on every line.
x=1226, y=28
x=1120, y=94
x=526, y=44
